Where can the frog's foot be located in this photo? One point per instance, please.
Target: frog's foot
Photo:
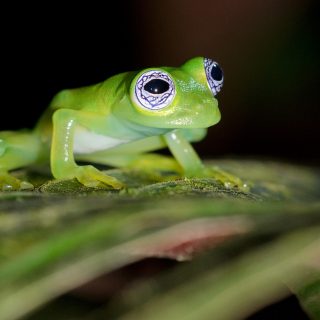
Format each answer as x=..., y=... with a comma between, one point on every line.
x=11, y=183
x=89, y=176
x=161, y=167
x=227, y=179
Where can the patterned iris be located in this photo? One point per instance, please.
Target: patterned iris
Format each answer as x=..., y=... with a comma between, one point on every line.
x=214, y=75
x=154, y=90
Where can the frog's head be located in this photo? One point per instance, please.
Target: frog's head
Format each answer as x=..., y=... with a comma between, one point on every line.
x=181, y=97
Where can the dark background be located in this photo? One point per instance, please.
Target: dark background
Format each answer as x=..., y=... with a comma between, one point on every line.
x=269, y=51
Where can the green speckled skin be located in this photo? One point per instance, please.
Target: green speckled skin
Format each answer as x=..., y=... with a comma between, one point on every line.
x=108, y=110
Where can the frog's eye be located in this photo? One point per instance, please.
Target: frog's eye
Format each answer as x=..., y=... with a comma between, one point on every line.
x=214, y=75
x=154, y=90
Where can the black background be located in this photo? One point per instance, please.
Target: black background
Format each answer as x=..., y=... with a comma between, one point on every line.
x=269, y=52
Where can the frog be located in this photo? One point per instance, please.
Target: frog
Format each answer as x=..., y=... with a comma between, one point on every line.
x=120, y=122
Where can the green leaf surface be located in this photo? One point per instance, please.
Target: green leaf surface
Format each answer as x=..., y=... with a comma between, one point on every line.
x=63, y=235
x=308, y=291
x=232, y=290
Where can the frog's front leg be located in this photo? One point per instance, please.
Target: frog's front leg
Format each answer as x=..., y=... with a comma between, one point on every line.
x=17, y=150
x=63, y=165
x=184, y=153
x=191, y=163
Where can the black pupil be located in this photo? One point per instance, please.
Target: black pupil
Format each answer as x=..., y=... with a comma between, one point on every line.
x=216, y=72
x=156, y=86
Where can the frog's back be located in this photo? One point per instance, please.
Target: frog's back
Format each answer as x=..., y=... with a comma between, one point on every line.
x=78, y=99
x=98, y=97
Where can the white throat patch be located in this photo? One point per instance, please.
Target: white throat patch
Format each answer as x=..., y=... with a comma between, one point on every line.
x=86, y=141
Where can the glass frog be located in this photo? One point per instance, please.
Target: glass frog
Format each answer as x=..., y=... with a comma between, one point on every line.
x=118, y=122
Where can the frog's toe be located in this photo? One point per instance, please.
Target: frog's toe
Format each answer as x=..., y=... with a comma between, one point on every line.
x=92, y=177
x=25, y=185
x=111, y=181
x=227, y=179
x=11, y=183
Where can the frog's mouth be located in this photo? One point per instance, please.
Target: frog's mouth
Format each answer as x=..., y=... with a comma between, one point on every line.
x=201, y=116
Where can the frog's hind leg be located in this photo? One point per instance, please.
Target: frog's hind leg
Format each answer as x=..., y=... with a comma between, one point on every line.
x=135, y=155
x=156, y=166
x=17, y=149
x=143, y=161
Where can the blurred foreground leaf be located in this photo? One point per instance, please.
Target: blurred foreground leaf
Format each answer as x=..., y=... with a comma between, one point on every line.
x=236, y=288
x=308, y=291
x=243, y=244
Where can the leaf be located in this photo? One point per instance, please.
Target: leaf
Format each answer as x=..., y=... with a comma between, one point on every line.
x=63, y=235
x=308, y=291
x=236, y=289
